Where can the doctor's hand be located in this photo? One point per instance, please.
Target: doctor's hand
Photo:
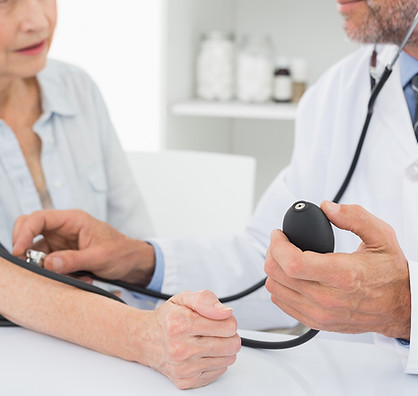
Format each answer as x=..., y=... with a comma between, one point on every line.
x=77, y=241
x=191, y=339
x=365, y=291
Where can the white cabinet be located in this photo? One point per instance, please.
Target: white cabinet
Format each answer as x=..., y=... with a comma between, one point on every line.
x=311, y=29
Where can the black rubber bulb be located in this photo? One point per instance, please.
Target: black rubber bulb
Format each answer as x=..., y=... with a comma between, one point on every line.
x=307, y=227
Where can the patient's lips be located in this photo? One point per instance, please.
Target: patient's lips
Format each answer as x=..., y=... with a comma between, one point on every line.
x=33, y=49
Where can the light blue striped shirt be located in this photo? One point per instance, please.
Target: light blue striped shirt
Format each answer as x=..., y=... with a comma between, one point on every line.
x=409, y=67
x=83, y=162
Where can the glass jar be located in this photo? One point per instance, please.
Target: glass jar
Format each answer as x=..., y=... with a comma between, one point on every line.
x=215, y=66
x=254, y=69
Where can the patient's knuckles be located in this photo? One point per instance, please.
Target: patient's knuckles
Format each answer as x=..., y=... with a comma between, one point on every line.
x=178, y=352
x=185, y=383
x=174, y=327
x=204, y=296
x=235, y=345
x=196, y=377
x=195, y=382
x=226, y=346
x=229, y=326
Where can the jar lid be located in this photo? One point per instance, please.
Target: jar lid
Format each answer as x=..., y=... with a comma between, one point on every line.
x=282, y=62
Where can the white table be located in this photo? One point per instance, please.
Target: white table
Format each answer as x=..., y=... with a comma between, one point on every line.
x=34, y=364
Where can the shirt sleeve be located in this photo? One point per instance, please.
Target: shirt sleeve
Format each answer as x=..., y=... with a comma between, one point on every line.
x=142, y=301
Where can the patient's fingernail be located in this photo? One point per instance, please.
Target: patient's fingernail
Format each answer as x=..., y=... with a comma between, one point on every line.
x=222, y=307
x=57, y=264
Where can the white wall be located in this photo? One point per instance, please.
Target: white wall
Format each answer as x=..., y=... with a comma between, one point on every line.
x=312, y=29
x=119, y=44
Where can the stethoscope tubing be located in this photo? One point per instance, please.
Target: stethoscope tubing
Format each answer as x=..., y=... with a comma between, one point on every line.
x=376, y=89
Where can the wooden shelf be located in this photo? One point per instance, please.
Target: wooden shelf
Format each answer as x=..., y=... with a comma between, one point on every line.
x=235, y=109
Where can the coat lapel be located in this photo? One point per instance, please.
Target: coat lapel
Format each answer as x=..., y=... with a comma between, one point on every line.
x=391, y=113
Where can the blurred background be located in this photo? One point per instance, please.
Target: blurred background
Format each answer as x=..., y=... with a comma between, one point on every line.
x=218, y=76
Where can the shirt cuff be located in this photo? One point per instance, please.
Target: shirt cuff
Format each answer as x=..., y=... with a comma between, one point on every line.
x=158, y=276
x=142, y=301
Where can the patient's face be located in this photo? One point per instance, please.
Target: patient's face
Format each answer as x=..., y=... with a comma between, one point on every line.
x=26, y=30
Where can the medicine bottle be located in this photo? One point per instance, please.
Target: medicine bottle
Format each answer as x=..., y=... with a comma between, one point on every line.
x=215, y=68
x=282, y=86
x=299, y=71
x=254, y=69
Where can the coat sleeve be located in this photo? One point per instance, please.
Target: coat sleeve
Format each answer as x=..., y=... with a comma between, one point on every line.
x=230, y=264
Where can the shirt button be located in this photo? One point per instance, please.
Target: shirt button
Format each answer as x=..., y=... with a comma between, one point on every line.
x=58, y=183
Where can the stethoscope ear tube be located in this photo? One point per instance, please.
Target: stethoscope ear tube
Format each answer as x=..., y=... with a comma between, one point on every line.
x=370, y=107
x=245, y=342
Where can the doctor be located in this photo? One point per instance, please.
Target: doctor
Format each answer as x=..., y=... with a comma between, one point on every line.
x=374, y=288
x=369, y=288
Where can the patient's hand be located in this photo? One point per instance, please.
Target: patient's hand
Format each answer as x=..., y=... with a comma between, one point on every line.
x=191, y=339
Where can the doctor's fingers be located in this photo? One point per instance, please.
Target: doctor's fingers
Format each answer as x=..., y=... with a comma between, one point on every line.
x=323, y=318
x=372, y=230
x=92, y=259
x=312, y=293
x=331, y=268
x=66, y=224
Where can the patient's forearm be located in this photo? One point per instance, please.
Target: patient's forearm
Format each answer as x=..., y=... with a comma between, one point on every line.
x=50, y=307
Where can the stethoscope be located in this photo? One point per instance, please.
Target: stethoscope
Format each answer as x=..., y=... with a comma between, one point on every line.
x=35, y=257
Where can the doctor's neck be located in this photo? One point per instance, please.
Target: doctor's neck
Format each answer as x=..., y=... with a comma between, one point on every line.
x=412, y=50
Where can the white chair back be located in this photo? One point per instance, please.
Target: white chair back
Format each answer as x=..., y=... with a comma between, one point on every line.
x=190, y=193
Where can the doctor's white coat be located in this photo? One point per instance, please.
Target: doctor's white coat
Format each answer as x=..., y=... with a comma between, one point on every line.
x=330, y=120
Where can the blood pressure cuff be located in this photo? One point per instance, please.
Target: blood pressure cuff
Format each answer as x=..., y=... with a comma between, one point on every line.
x=2, y=248
x=54, y=276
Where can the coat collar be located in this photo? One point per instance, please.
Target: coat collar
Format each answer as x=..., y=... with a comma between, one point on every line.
x=392, y=110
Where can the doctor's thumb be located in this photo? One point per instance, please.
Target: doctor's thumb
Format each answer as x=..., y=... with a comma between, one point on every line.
x=63, y=262
x=356, y=219
x=342, y=216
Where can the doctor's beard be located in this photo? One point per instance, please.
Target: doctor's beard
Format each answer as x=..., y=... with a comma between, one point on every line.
x=385, y=21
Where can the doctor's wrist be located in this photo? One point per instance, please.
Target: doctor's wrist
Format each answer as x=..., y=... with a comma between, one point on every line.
x=141, y=259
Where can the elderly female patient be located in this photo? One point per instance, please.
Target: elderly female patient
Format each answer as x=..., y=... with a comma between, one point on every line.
x=58, y=150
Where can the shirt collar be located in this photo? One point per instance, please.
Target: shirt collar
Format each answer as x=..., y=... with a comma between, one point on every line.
x=54, y=99
x=409, y=67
